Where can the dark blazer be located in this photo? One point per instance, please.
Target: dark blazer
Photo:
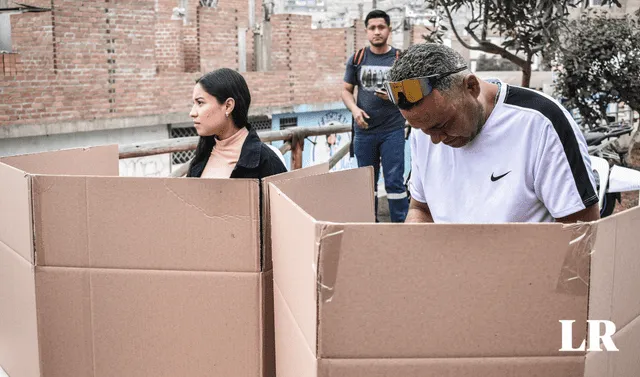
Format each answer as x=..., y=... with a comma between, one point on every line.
x=256, y=160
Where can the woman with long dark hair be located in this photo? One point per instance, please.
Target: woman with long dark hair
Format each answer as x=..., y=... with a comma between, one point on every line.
x=228, y=147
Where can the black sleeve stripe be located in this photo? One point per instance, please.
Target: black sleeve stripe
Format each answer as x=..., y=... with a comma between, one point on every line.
x=529, y=99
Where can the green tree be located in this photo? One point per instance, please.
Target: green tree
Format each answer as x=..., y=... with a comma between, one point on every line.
x=528, y=27
x=599, y=64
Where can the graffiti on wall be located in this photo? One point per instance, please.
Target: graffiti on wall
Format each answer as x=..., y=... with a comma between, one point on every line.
x=325, y=146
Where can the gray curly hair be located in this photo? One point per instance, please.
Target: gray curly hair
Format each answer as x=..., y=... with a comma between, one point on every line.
x=426, y=59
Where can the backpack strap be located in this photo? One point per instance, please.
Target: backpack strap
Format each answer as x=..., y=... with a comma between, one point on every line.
x=358, y=56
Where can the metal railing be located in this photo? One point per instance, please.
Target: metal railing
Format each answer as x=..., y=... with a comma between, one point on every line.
x=293, y=141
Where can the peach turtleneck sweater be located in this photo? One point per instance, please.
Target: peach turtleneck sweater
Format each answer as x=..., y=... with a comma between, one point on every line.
x=225, y=155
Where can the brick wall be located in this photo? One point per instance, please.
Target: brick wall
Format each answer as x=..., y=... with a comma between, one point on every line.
x=169, y=44
x=218, y=38
x=100, y=59
x=361, y=35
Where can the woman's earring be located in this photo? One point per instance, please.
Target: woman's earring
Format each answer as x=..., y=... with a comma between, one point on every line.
x=226, y=114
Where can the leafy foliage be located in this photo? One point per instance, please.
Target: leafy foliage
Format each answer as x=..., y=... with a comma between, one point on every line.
x=599, y=63
x=528, y=27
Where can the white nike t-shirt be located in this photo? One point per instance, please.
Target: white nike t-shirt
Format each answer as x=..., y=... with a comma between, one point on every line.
x=529, y=163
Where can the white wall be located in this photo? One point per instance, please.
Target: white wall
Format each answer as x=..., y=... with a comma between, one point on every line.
x=159, y=165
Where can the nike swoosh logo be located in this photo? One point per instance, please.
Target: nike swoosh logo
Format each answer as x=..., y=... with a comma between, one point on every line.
x=493, y=179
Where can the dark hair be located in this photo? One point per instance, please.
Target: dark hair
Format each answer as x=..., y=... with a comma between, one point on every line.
x=223, y=83
x=377, y=14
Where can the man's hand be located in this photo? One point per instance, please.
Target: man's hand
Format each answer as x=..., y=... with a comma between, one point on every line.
x=358, y=114
x=382, y=94
x=361, y=118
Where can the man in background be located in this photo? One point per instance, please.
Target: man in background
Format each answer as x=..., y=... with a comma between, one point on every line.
x=379, y=132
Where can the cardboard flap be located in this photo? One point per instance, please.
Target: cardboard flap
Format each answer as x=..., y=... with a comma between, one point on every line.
x=342, y=196
x=615, y=265
x=267, y=328
x=15, y=211
x=147, y=223
x=102, y=160
x=293, y=235
x=294, y=357
x=431, y=290
x=626, y=283
x=97, y=322
x=602, y=270
x=626, y=362
x=19, y=354
x=623, y=363
x=266, y=224
x=456, y=367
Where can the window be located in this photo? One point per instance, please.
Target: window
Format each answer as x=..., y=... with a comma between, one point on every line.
x=306, y=4
x=208, y=3
x=288, y=122
x=260, y=123
x=5, y=27
x=186, y=156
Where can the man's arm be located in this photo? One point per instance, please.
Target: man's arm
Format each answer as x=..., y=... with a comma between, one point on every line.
x=347, y=96
x=418, y=213
x=358, y=114
x=591, y=213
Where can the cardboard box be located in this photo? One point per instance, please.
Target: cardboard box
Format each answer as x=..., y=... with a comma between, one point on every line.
x=103, y=275
x=354, y=298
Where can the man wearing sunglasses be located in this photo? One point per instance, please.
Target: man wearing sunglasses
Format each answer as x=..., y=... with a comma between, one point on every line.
x=379, y=131
x=487, y=152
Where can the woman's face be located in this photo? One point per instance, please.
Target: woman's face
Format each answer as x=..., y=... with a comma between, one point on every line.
x=209, y=116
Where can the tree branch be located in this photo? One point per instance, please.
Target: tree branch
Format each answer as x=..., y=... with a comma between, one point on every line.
x=455, y=32
x=491, y=48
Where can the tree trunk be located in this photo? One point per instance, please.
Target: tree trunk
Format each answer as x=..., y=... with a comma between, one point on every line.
x=635, y=136
x=526, y=73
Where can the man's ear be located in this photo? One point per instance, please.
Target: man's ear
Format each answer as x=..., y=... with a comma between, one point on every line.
x=471, y=84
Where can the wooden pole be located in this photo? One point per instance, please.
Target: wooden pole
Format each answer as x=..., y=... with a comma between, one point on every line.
x=297, y=146
x=286, y=147
x=333, y=161
x=189, y=143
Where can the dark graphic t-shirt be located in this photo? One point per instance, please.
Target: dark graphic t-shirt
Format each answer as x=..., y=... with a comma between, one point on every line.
x=371, y=75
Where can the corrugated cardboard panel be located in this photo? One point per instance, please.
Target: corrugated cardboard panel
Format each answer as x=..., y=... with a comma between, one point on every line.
x=18, y=328
x=15, y=211
x=626, y=362
x=626, y=284
x=342, y=196
x=148, y=223
x=293, y=355
x=597, y=364
x=65, y=323
x=602, y=270
x=430, y=290
x=149, y=323
x=268, y=330
x=60, y=220
x=266, y=223
x=622, y=363
x=455, y=367
x=293, y=235
x=101, y=160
